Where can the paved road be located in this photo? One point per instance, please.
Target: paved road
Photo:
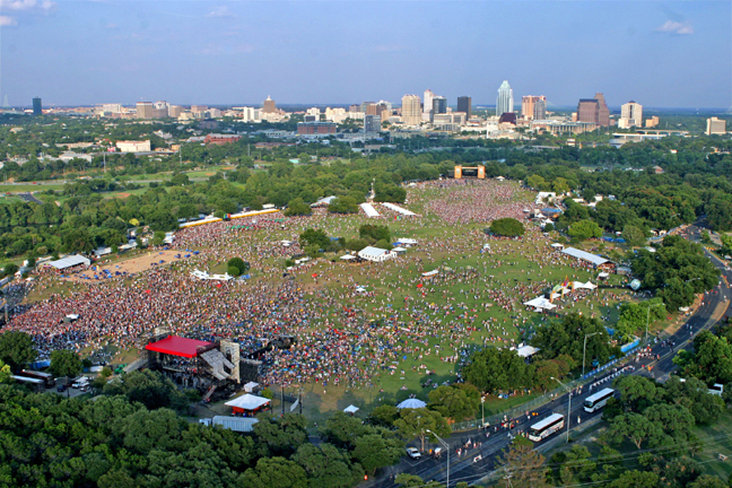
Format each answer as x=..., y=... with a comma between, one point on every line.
x=479, y=457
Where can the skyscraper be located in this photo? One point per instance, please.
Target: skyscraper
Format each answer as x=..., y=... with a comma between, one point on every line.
x=465, y=104
x=593, y=110
x=268, y=107
x=411, y=110
x=371, y=124
x=533, y=107
x=439, y=105
x=145, y=110
x=427, y=113
x=631, y=115
x=504, y=104
x=37, y=106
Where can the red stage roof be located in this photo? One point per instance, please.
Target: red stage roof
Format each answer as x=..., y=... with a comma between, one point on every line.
x=178, y=346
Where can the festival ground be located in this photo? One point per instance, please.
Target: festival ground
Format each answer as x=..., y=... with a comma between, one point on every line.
x=404, y=334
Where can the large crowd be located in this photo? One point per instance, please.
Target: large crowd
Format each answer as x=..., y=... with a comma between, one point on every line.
x=342, y=336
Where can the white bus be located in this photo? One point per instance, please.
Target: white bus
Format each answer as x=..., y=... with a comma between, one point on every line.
x=543, y=429
x=595, y=402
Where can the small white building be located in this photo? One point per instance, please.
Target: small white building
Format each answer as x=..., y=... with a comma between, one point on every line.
x=375, y=254
x=133, y=146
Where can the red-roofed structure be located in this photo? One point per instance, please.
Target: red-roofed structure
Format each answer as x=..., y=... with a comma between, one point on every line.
x=180, y=346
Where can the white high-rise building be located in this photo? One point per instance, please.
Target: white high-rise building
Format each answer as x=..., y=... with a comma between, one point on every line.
x=411, y=110
x=427, y=105
x=631, y=115
x=504, y=103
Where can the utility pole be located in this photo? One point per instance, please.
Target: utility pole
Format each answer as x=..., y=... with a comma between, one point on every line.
x=569, y=405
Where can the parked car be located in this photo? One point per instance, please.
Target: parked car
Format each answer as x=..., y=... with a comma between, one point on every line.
x=414, y=453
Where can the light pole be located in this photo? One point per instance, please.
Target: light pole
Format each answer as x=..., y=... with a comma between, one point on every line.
x=569, y=405
x=482, y=411
x=584, y=351
x=447, y=448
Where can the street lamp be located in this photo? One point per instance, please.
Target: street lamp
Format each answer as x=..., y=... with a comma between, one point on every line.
x=584, y=350
x=447, y=448
x=569, y=405
x=482, y=411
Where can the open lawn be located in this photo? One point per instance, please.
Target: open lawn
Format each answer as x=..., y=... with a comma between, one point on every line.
x=404, y=335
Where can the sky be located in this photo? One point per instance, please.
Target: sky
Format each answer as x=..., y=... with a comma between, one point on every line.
x=658, y=53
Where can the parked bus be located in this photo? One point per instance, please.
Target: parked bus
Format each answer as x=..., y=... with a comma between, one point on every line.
x=595, y=402
x=543, y=429
x=47, y=378
x=33, y=383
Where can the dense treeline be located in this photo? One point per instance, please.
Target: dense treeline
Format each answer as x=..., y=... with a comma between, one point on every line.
x=696, y=182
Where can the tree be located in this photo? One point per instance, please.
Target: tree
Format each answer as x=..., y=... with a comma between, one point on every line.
x=274, y=472
x=637, y=392
x=297, y=206
x=5, y=372
x=708, y=481
x=373, y=451
x=454, y=402
x=10, y=269
x=342, y=429
x=314, y=237
x=537, y=182
x=415, y=422
x=407, y=480
x=148, y=387
x=281, y=437
x=325, y=465
x=636, y=479
x=633, y=235
x=237, y=266
x=343, y=205
x=566, y=336
x=374, y=233
x=16, y=349
x=522, y=465
x=493, y=370
x=634, y=427
x=634, y=317
x=65, y=363
x=584, y=229
x=507, y=227
x=384, y=415
x=693, y=395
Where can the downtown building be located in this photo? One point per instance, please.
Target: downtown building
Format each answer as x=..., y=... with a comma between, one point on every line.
x=533, y=107
x=411, y=110
x=504, y=103
x=465, y=105
x=594, y=110
x=631, y=115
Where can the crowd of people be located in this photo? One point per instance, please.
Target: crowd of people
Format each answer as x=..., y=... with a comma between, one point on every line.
x=402, y=323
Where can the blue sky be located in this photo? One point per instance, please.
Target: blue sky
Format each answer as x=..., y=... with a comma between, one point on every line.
x=661, y=54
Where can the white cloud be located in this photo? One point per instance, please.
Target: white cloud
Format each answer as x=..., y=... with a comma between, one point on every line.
x=6, y=21
x=17, y=4
x=220, y=12
x=678, y=28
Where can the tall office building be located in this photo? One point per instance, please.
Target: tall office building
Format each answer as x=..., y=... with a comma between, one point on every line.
x=427, y=105
x=504, y=104
x=716, y=126
x=439, y=105
x=268, y=107
x=371, y=124
x=465, y=104
x=37, y=106
x=593, y=110
x=145, y=110
x=411, y=110
x=631, y=115
x=533, y=107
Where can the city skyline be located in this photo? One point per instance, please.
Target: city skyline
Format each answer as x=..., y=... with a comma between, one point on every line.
x=221, y=53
